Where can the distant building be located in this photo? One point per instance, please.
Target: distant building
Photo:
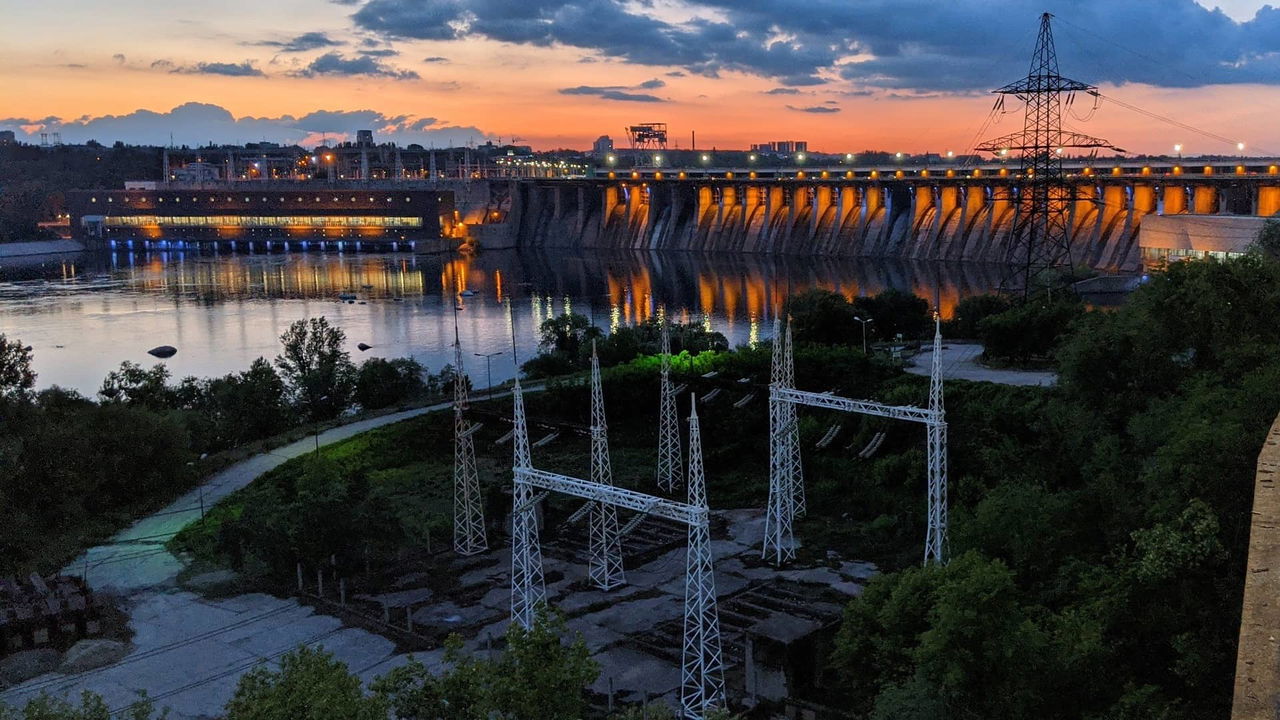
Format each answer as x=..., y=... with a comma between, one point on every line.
x=7, y=137
x=364, y=138
x=781, y=147
x=196, y=172
x=602, y=146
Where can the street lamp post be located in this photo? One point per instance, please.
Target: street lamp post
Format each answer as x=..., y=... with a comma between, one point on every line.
x=316, y=420
x=864, y=332
x=488, y=367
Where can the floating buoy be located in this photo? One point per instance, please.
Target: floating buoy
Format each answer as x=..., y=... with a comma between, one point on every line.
x=363, y=346
x=163, y=351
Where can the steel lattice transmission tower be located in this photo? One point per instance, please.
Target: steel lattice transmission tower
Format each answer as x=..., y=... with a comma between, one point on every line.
x=468, y=512
x=528, y=590
x=606, y=545
x=792, y=423
x=781, y=511
x=702, y=674
x=668, y=424
x=1039, y=244
x=935, y=544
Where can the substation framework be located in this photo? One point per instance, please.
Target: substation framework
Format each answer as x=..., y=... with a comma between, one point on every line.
x=469, y=536
x=786, y=483
x=702, y=667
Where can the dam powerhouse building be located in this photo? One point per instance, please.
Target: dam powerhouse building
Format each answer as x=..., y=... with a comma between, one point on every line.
x=144, y=214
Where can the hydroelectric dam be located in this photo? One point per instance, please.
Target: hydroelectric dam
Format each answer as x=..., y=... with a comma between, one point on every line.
x=916, y=213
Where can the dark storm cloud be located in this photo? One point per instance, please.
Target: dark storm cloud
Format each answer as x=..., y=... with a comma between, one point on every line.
x=336, y=64
x=243, y=69
x=819, y=109
x=619, y=92
x=611, y=93
x=961, y=45
x=302, y=43
x=199, y=123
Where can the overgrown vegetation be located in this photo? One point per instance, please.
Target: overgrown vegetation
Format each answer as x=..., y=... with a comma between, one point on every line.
x=74, y=468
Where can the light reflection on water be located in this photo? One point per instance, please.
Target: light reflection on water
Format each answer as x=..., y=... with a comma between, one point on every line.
x=84, y=316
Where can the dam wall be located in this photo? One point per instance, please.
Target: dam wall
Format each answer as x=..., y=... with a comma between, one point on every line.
x=935, y=218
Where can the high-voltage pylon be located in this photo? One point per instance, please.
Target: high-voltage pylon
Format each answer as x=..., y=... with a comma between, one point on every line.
x=702, y=671
x=468, y=512
x=781, y=510
x=606, y=545
x=784, y=476
x=935, y=544
x=668, y=425
x=1039, y=245
x=792, y=422
x=528, y=590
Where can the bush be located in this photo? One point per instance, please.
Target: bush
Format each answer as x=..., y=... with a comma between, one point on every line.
x=1031, y=331
x=971, y=311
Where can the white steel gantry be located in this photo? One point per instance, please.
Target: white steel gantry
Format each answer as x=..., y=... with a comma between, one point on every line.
x=702, y=667
x=606, y=545
x=779, y=544
x=468, y=512
x=668, y=424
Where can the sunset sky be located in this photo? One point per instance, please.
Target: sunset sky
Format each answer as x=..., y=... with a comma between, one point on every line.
x=846, y=75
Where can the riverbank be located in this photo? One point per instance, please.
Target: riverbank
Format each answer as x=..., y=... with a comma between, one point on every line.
x=40, y=247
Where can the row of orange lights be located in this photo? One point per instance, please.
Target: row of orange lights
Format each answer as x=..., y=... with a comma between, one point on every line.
x=1003, y=172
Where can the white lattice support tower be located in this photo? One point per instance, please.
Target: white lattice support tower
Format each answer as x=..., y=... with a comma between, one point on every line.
x=606, y=545
x=702, y=667
x=935, y=546
x=468, y=511
x=527, y=588
x=779, y=515
x=668, y=425
x=794, y=467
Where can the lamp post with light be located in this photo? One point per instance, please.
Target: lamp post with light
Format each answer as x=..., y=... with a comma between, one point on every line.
x=488, y=367
x=864, y=331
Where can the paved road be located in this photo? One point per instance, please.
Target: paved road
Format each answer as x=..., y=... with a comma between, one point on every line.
x=960, y=362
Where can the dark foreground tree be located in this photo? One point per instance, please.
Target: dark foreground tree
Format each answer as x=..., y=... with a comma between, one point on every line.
x=310, y=685
x=16, y=375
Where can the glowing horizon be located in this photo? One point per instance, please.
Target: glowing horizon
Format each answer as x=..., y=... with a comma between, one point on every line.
x=256, y=73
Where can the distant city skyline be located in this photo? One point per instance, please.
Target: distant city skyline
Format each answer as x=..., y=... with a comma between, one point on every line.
x=906, y=75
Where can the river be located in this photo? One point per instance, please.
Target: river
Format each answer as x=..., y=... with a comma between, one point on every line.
x=85, y=314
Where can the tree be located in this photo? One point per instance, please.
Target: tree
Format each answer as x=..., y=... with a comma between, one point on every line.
x=381, y=383
x=91, y=707
x=823, y=317
x=16, y=375
x=537, y=677
x=565, y=334
x=137, y=386
x=316, y=368
x=310, y=685
x=1267, y=243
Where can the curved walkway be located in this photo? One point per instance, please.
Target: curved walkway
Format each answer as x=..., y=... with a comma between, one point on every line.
x=960, y=362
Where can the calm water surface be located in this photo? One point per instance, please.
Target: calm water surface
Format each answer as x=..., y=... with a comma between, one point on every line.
x=84, y=315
